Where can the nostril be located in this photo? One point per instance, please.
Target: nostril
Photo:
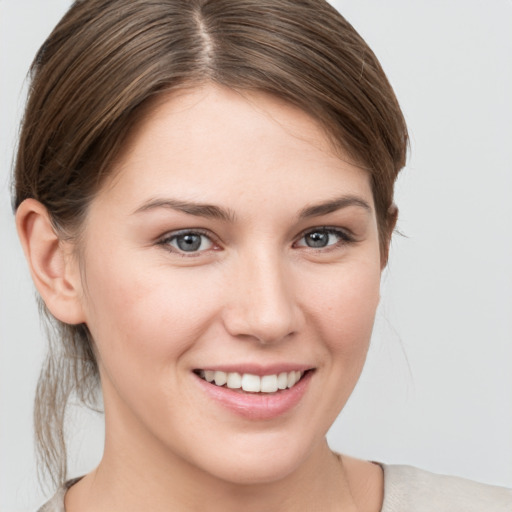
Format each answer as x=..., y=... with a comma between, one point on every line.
x=261, y=326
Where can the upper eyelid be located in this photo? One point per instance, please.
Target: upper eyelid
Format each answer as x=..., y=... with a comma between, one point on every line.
x=194, y=231
x=345, y=238
x=330, y=229
x=170, y=235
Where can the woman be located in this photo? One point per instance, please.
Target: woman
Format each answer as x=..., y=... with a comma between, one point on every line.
x=204, y=193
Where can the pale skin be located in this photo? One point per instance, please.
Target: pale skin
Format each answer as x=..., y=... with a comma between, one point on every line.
x=282, y=267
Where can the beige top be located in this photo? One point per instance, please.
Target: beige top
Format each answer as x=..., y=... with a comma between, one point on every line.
x=407, y=489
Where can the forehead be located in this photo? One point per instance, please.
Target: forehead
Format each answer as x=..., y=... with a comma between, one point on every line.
x=213, y=143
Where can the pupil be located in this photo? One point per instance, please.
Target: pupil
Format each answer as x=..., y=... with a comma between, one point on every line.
x=189, y=242
x=317, y=239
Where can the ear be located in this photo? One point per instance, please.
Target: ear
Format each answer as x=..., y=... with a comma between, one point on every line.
x=391, y=218
x=54, y=269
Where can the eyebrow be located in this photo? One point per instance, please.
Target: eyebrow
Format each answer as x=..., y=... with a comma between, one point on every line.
x=190, y=208
x=227, y=215
x=334, y=205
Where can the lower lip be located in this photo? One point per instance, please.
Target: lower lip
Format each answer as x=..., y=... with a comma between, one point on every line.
x=257, y=406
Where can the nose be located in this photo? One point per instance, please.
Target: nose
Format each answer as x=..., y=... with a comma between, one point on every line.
x=261, y=302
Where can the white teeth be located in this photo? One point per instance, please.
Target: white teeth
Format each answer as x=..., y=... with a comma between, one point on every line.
x=282, y=380
x=252, y=383
x=269, y=383
x=220, y=378
x=234, y=380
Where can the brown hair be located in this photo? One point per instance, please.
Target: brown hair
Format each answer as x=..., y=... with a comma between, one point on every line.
x=103, y=62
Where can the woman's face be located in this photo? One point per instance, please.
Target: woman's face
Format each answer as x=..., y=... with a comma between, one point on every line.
x=230, y=243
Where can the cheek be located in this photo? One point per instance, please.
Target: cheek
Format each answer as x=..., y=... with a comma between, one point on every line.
x=344, y=309
x=142, y=317
x=341, y=311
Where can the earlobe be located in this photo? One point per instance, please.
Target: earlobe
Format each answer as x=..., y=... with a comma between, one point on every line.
x=54, y=270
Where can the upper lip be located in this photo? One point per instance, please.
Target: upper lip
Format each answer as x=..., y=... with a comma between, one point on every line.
x=257, y=369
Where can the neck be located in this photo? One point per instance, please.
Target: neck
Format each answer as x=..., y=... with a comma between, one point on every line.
x=132, y=481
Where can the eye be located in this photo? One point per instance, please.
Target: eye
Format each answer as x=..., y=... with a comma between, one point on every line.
x=320, y=238
x=188, y=242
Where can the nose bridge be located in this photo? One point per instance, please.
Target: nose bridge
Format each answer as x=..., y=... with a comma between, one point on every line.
x=262, y=303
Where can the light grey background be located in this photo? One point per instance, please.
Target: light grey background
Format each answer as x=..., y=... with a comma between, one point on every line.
x=437, y=389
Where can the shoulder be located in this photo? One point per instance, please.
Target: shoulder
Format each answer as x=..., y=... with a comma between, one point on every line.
x=409, y=489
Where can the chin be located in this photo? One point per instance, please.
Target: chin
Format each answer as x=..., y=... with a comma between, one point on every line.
x=258, y=472
x=254, y=464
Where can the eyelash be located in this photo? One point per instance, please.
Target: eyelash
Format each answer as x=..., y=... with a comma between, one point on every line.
x=169, y=238
x=344, y=238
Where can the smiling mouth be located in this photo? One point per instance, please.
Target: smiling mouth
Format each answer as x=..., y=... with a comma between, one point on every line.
x=251, y=383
